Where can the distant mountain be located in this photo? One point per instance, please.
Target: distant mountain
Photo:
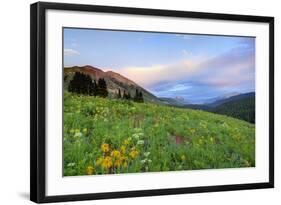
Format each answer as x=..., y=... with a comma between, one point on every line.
x=114, y=82
x=173, y=101
x=221, y=97
x=232, y=98
x=240, y=106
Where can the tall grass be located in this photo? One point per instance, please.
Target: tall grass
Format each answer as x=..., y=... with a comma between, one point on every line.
x=107, y=136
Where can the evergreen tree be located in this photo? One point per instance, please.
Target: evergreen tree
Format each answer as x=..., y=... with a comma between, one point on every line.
x=95, y=88
x=129, y=96
x=141, y=97
x=126, y=95
x=82, y=84
x=119, y=94
x=138, y=96
x=102, y=88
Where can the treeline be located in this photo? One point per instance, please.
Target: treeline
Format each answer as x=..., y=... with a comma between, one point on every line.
x=83, y=84
x=126, y=95
x=243, y=109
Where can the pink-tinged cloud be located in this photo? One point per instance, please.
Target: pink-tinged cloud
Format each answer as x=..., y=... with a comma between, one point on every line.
x=233, y=68
x=70, y=52
x=150, y=75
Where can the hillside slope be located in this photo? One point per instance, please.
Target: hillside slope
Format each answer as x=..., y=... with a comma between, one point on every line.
x=107, y=136
x=241, y=106
x=114, y=81
x=243, y=109
x=232, y=98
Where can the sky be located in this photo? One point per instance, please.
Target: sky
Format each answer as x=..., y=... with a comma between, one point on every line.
x=197, y=68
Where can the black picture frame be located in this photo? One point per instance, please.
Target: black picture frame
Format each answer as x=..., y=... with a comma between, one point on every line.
x=38, y=101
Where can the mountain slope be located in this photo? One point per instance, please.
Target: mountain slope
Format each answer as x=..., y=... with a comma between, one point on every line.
x=243, y=109
x=172, y=102
x=240, y=106
x=115, y=81
x=232, y=98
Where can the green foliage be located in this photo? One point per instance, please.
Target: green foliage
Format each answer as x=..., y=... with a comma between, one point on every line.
x=126, y=95
x=243, y=109
x=103, y=136
x=119, y=94
x=138, y=96
x=83, y=84
x=102, y=88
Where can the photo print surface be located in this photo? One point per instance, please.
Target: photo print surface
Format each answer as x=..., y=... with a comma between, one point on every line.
x=139, y=102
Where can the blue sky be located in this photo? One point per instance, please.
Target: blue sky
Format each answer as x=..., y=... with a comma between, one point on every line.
x=195, y=67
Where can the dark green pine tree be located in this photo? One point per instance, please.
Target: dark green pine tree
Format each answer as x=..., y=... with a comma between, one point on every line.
x=75, y=85
x=136, y=95
x=88, y=85
x=82, y=84
x=124, y=95
x=141, y=97
x=95, y=88
x=129, y=96
x=119, y=94
x=102, y=88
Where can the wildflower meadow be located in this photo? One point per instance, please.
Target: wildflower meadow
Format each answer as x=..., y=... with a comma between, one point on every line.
x=115, y=136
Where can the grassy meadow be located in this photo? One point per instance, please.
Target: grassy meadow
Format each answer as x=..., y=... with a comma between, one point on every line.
x=111, y=136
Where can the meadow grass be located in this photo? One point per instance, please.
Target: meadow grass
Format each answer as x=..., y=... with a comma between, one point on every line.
x=109, y=136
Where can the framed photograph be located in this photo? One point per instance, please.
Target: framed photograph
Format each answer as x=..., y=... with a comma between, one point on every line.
x=129, y=102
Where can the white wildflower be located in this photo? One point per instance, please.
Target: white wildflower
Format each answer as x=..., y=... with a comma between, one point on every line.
x=140, y=142
x=146, y=154
x=136, y=136
x=143, y=161
x=78, y=134
x=71, y=164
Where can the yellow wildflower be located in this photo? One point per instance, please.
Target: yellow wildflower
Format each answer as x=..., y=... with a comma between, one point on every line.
x=125, y=164
x=123, y=149
x=107, y=162
x=90, y=170
x=115, y=153
x=183, y=158
x=133, y=154
x=105, y=147
x=119, y=161
x=99, y=161
x=126, y=142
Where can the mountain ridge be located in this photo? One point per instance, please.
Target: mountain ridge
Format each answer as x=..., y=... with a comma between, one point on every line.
x=115, y=81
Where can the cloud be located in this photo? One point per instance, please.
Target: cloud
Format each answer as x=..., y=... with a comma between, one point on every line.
x=151, y=75
x=186, y=53
x=70, y=52
x=179, y=87
x=231, y=69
